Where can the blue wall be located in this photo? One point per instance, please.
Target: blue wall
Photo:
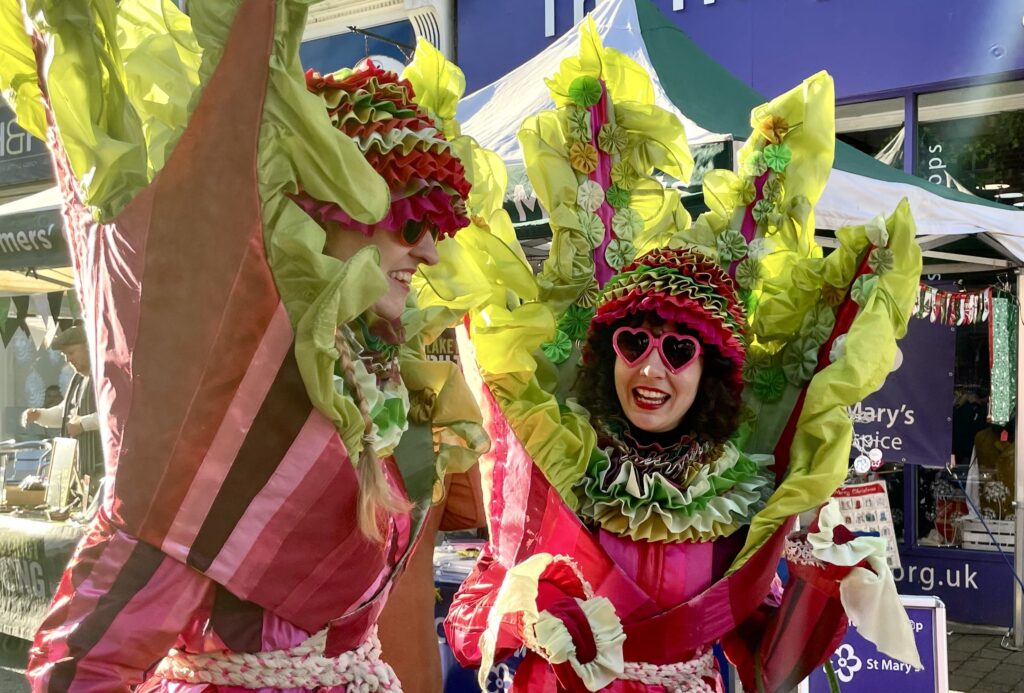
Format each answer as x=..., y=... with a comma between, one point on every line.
x=869, y=46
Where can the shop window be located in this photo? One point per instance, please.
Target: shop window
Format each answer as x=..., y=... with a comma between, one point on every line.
x=971, y=139
x=982, y=477
x=873, y=127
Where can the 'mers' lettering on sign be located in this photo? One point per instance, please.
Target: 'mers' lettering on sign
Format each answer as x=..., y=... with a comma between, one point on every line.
x=27, y=240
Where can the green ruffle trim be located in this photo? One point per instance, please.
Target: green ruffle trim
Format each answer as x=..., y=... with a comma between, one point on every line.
x=721, y=497
x=666, y=281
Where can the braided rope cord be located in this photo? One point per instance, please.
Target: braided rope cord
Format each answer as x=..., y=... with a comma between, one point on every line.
x=681, y=677
x=304, y=666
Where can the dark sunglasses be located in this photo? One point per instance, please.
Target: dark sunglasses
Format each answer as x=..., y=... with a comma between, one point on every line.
x=677, y=351
x=414, y=230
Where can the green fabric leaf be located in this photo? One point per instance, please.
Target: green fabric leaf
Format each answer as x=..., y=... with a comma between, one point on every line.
x=585, y=91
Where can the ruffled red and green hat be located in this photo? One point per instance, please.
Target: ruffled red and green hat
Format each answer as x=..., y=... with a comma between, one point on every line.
x=682, y=286
x=378, y=111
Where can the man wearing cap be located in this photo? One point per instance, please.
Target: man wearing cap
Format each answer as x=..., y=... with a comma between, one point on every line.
x=76, y=415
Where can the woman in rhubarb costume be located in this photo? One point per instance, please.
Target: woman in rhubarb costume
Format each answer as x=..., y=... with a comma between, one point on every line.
x=639, y=504
x=243, y=250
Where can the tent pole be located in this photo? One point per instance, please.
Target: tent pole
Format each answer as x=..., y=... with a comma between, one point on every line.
x=1018, y=476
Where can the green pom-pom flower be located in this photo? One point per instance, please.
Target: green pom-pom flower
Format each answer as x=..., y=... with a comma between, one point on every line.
x=623, y=175
x=778, y=156
x=768, y=384
x=755, y=165
x=748, y=273
x=558, y=349
x=758, y=248
x=878, y=234
x=585, y=91
x=818, y=323
x=579, y=125
x=591, y=226
x=881, y=260
x=619, y=253
x=773, y=190
x=617, y=197
x=862, y=288
x=576, y=321
x=589, y=293
x=761, y=210
x=611, y=138
x=731, y=246
x=747, y=191
x=799, y=360
x=589, y=196
x=627, y=223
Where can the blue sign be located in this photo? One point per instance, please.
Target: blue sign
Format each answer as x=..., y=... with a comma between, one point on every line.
x=902, y=419
x=23, y=158
x=975, y=588
x=859, y=666
x=869, y=46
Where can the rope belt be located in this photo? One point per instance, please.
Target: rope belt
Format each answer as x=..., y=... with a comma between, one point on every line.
x=681, y=677
x=303, y=666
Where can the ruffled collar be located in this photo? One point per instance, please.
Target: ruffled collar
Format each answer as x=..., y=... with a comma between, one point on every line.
x=675, y=456
x=691, y=490
x=376, y=369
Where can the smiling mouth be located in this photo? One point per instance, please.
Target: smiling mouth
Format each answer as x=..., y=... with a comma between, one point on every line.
x=403, y=277
x=648, y=398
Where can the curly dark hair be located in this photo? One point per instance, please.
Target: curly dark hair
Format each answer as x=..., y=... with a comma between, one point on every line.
x=715, y=413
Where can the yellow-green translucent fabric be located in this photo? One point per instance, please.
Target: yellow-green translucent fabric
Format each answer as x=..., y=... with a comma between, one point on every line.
x=123, y=78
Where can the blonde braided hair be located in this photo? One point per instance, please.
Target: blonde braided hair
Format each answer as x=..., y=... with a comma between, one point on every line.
x=375, y=495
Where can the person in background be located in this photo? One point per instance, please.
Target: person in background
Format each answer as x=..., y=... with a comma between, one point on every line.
x=75, y=416
x=408, y=632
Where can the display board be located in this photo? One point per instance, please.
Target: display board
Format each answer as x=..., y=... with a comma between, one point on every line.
x=860, y=667
x=33, y=554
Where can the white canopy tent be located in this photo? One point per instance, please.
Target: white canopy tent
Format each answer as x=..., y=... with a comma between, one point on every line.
x=859, y=188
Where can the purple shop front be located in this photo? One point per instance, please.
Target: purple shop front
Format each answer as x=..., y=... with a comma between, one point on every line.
x=869, y=46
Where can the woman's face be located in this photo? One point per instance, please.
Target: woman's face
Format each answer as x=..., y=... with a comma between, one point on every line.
x=652, y=397
x=397, y=260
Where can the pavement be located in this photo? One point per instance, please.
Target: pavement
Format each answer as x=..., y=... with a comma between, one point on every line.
x=978, y=664
x=13, y=655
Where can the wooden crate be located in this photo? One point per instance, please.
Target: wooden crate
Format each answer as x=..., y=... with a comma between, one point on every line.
x=975, y=537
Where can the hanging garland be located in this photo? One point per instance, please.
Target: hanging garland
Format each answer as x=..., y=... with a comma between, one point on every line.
x=953, y=307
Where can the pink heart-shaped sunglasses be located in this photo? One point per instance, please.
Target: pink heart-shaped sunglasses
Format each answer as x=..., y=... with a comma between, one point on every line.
x=677, y=351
